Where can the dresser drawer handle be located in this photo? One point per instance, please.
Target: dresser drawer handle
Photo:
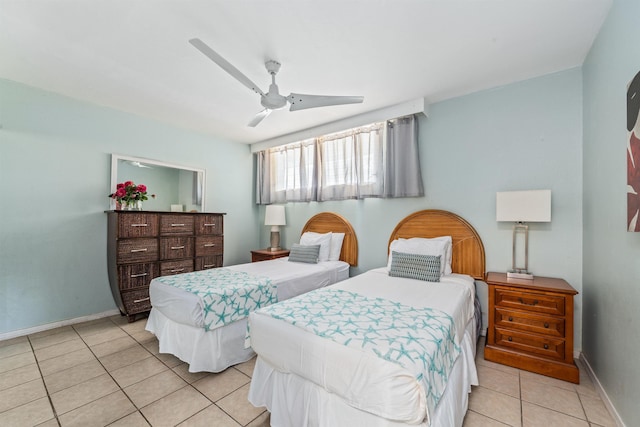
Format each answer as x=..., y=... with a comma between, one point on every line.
x=510, y=339
x=546, y=346
x=177, y=225
x=139, y=225
x=139, y=250
x=510, y=319
x=136, y=301
x=209, y=265
x=208, y=245
x=133, y=276
x=177, y=270
x=177, y=247
x=535, y=302
x=546, y=325
x=213, y=224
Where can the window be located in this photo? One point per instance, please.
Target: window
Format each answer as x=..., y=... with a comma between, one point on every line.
x=339, y=166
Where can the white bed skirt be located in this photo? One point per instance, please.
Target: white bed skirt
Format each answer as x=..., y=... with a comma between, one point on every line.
x=296, y=402
x=202, y=350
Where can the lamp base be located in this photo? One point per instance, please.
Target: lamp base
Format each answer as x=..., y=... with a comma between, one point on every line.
x=275, y=241
x=519, y=275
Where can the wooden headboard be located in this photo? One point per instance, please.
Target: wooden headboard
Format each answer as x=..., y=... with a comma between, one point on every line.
x=325, y=222
x=468, y=251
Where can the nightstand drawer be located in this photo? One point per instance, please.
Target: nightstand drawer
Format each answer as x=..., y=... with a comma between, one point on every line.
x=528, y=322
x=532, y=344
x=529, y=301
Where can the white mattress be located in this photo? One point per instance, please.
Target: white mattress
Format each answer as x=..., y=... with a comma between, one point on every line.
x=291, y=279
x=176, y=315
x=362, y=380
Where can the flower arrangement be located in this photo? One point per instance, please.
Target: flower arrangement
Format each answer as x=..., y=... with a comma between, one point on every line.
x=128, y=193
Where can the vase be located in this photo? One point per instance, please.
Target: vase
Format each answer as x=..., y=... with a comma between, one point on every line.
x=132, y=205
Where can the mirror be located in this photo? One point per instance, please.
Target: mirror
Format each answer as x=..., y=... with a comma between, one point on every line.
x=176, y=187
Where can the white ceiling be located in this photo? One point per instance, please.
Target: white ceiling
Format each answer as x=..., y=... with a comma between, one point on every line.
x=134, y=55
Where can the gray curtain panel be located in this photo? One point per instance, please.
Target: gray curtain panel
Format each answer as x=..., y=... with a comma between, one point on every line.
x=403, y=176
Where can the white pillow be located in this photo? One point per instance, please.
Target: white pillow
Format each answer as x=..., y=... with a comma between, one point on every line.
x=422, y=246
x=324, y=240
x=449, y=253
x=336, y=246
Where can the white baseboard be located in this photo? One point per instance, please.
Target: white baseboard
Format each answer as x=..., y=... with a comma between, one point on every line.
x=40, y=328
x=602, y=393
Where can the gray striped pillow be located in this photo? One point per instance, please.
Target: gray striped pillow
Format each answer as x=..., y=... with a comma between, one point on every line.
x=415, y=266
x=304, y=253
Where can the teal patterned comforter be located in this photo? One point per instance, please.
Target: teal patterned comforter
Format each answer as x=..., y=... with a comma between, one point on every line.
x=226, y=295
x=420, y=340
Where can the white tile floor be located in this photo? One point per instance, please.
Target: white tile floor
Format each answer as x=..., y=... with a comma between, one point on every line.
x=109, y=372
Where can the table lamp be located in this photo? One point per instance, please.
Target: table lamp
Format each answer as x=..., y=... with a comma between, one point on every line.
x=274, y=216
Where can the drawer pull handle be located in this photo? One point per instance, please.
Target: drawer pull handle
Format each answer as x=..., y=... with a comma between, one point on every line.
x=546, y=346
x=177, y=247
x=139, y=225
x=133, y=276
x=139, y=250
x=510, y=319
x=208, y=245
x=535, y=302
x=177, y=225
x=510, y=339
x=546, y=325
x=136, y=301
x=177, y=270
x=210, y=225
x=209, y=265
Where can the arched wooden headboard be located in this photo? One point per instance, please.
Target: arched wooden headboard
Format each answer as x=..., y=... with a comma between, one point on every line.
x=468, y=251
x=325, y=222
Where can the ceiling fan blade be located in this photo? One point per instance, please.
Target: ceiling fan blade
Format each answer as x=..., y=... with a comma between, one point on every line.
x=225, y=65
x=301, y=101
x=259, y=117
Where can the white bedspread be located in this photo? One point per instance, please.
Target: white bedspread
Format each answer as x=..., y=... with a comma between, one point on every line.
x=290, y=279
x=362, y=380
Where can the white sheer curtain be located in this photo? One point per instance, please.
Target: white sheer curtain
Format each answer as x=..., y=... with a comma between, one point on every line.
x=350, y=164
x=286, y=173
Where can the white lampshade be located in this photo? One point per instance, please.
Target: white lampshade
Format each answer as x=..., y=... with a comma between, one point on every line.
x=274, y=215
x=523, y=206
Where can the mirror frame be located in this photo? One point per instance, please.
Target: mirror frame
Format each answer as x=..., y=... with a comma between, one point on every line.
x=115, y=158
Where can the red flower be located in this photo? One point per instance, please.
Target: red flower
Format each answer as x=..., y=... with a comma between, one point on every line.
x=120, y=185
x=142, y=188
x=128, y=183
x=633, y=180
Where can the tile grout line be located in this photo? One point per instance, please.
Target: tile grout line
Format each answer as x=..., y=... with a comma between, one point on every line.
x=46, y=389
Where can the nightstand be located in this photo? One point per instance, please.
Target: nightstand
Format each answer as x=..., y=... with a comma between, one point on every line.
x=267, y=254
x=531, y=325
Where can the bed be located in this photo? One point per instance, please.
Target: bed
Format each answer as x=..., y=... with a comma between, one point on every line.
x=334, y=356
x=204, y=334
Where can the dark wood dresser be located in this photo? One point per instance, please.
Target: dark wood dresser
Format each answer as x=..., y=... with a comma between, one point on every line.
x=531, y=325
x=142, y=245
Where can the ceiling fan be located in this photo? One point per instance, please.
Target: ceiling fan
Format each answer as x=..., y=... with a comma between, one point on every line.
x=272, y=100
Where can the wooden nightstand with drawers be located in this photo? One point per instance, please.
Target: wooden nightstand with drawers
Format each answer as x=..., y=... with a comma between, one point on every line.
x=267, y=254
x=531, y=325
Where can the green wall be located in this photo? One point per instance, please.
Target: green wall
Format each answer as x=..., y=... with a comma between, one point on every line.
x=55, y=160
x=611, y=340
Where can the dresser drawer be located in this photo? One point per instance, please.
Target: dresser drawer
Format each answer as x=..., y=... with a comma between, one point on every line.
x=137, y=250
x=176, y=247
x=532, y=344
x=168, y=268
x=209, y=245
x=206, y=262
x=172, y=225
x=136, y=301
x=137, y=225
x=530, y=301
x=136, y=275
x=528, y=322
x=209, y=224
